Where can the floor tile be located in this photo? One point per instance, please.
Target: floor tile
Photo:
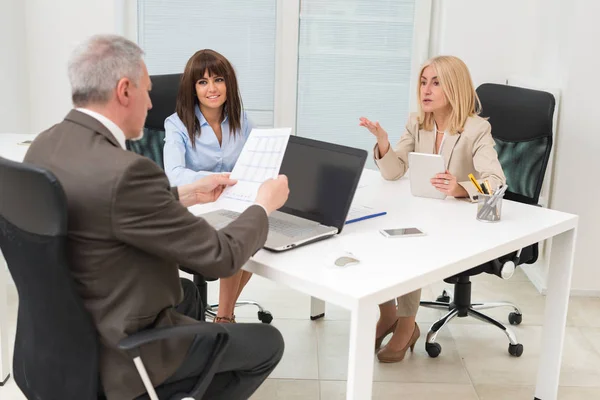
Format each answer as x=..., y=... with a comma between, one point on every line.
x=10, y=391
x=484, y=351
x=504, y=392
x=578, y=393
x=300, y=359
x=581, y=363
x=333, y=342
x=585, y=311
x=336, y=390
x=276, y=389
x=593, y=337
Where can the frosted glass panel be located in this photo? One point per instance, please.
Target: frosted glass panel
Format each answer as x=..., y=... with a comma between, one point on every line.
x=354, y=60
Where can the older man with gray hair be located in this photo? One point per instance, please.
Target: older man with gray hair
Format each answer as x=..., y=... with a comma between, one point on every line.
x=128, y=231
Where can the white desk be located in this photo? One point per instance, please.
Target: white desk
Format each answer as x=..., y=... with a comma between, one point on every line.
x=455, y=242
x=11, y=150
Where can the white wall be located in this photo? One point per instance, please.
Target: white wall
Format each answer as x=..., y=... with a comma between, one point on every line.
x=13, y=68
x=494, y=38
x=577, y=163
x=547, y=42
x=54, y=28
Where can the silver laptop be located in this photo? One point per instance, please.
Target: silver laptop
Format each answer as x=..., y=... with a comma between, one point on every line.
x=323, y=178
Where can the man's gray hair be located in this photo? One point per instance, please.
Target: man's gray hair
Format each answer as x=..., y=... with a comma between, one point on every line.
x=98, y=64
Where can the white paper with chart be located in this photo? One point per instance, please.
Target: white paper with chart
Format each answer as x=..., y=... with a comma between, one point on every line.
x=260, y=160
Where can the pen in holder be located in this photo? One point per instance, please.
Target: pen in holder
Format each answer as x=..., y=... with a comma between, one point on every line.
x=489, y=207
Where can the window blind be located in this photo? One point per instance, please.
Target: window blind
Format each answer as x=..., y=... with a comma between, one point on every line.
x=354, y=60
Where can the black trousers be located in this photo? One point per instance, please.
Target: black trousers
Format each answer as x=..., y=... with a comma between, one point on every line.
x=253, y=353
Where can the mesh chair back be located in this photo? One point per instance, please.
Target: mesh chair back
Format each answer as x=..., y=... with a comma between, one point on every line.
x=521, y=122
x=56, y=347
x=163, y=96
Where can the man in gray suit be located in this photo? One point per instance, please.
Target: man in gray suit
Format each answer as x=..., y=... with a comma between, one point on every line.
x=129, y=231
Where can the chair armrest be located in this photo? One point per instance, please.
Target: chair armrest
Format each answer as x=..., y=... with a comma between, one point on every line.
x=133, y=342
x=218, y=336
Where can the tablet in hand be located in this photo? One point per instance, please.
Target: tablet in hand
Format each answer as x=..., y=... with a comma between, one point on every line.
x=422, y=168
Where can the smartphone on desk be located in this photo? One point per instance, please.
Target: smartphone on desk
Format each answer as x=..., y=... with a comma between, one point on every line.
x=401, y=232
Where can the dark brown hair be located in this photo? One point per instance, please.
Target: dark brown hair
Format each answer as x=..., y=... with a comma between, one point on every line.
x=196, y=67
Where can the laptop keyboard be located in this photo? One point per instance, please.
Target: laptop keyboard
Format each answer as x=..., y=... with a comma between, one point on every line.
x=288, y=228
x=280, y=226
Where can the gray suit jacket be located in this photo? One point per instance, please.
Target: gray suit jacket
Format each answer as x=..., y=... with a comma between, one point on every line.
x=127, y=235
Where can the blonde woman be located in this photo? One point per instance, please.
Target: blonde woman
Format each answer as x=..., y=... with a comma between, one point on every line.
x=446, y=123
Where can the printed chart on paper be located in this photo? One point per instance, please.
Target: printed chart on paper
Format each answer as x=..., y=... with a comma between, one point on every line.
x=260, y=160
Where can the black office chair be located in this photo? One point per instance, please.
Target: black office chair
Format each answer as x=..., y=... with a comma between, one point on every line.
x=56, y=345
x=521, y=122
x=164, y=97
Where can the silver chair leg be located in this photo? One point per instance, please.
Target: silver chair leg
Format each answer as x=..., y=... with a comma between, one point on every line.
x=512, y=338
x=145, y=378
x=249, y=303
x=495, y=304
x=437, y=305
x=439, y=324
x=212, y=308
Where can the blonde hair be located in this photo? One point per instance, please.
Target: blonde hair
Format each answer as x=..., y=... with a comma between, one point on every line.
x=456, y=83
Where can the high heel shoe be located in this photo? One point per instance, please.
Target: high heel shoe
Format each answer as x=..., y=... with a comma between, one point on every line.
x=386, y=355
x=378, y=340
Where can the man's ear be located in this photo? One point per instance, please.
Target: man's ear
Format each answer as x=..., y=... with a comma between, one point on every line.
x=124, y=91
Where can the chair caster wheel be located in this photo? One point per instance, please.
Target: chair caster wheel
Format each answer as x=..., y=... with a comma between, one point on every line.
x=433, y=349
x=444, y=298
x=265, y=317
x=514, y=318
x=515, y=349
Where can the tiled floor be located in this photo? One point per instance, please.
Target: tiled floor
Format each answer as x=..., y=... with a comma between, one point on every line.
x=474, y=363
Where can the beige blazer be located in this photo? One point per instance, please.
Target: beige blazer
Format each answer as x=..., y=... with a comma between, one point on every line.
x=127, y=234
x=470, y=152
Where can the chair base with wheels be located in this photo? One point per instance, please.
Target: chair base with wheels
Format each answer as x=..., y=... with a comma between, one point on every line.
x=462, y=307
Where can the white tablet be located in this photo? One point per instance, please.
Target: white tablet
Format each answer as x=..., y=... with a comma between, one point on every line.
x=422, y=168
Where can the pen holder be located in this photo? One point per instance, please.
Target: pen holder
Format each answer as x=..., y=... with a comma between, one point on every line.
x=488, y=208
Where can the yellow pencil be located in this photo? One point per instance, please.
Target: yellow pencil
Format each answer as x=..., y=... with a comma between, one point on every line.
x=488, y=186
x=474, y=181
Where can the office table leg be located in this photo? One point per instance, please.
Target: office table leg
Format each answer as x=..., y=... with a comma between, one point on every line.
x=317, y=308
x=360, y=358
x=4, y=362
x=555, y=316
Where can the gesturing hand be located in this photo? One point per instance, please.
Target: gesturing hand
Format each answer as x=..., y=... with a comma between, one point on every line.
x=447, y=184
x=374, y=128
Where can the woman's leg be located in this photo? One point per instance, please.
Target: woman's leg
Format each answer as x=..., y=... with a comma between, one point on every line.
x=408, y=305
x=387, y=317
x=243, y=281
x=228, y=292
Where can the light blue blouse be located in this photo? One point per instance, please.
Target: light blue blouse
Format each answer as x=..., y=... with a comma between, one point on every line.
x=184, y=164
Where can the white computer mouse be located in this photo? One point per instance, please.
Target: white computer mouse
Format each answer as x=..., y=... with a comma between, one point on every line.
x=346, y=260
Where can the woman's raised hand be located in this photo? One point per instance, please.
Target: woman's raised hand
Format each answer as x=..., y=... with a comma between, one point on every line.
x=374, y=128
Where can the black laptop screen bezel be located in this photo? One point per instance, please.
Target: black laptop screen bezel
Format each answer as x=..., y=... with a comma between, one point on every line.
x=361, y=154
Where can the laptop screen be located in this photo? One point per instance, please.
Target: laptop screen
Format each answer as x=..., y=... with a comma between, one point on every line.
x=322, y=179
